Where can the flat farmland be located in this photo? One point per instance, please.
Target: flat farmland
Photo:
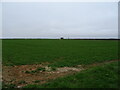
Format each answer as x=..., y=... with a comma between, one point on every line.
x=58, y=52
x=61, y=54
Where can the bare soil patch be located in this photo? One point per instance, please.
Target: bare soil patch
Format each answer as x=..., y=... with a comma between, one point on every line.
x=23, y=75
x=17, y=74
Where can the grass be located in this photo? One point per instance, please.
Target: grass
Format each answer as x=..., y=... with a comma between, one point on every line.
x=105, y=76
x=58, y=53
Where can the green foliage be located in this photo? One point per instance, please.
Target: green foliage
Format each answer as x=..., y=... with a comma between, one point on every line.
x=53, y=69
x=31, y=72
x=22, y=82
x=35, y=71
x=36, y=81
x=8, y=85
x=40, y=69
x=27, y=72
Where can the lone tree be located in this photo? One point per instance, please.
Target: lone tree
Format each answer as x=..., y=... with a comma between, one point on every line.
x=61, y=38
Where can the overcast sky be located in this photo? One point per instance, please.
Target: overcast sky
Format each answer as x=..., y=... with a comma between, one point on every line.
x=53, y=20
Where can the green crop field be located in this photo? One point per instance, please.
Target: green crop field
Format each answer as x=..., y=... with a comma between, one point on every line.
x=58, y=52
x=66, y=53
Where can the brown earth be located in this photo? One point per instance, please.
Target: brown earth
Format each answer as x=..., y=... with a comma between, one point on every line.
x=17, y=74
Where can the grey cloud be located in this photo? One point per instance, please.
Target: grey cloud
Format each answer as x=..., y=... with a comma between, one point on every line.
x=94, y=19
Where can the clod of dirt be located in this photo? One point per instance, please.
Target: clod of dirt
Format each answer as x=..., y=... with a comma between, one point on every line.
x=48, y=68
x=65, y=69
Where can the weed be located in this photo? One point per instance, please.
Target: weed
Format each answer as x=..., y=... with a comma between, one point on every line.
x=27, y=72
x=40, y=69
x=54, y=69
x=8, y=85
x=22, y=82
x=36, y=81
